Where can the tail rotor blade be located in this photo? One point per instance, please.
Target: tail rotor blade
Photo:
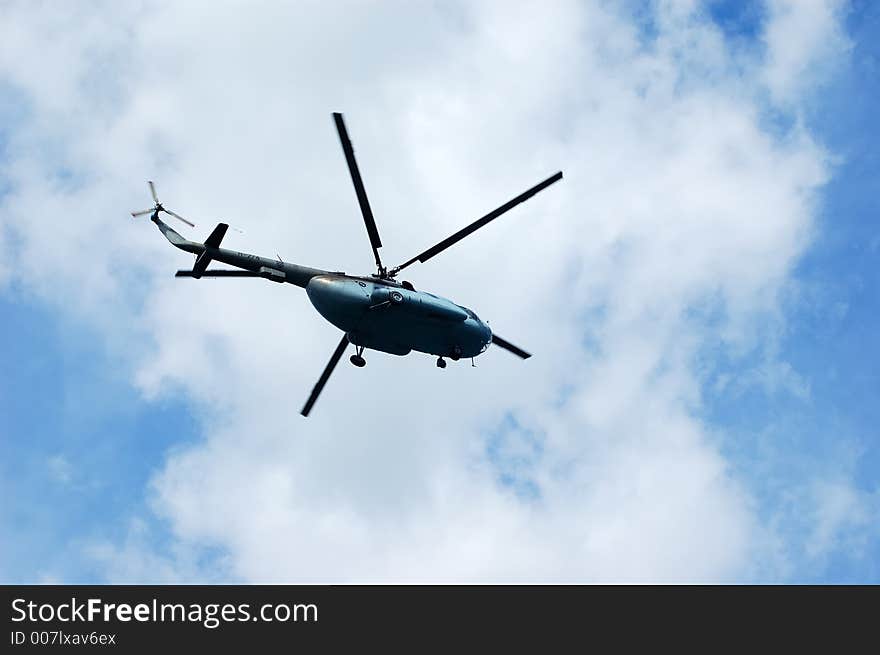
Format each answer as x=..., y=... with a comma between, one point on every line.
x=159, y=207
x=519, y=352
x=179, y=217
x=319, y=386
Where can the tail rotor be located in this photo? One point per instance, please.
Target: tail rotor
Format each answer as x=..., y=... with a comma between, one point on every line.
x=159, y=208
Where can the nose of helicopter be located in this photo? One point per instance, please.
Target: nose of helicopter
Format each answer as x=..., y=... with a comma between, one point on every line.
x=341, y=301
x=483, y=335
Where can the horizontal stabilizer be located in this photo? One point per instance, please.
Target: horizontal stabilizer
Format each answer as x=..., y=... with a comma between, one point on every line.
x=218, y=273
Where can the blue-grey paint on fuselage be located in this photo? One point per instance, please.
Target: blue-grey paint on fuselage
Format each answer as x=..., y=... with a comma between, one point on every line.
x=362, y=306
x=410, y=320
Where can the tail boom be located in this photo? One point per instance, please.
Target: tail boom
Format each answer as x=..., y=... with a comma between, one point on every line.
x=271, y=269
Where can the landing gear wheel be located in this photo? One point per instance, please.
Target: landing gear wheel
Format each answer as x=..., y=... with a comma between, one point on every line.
x=441, y=363
x=358, y=361
x=456, y=354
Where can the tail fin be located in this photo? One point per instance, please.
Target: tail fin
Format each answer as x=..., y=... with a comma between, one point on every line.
x=212, y=242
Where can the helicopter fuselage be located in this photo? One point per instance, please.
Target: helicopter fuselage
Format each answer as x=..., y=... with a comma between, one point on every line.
x=375, y=313
x=383, y=315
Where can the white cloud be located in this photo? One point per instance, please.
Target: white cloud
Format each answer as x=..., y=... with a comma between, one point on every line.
x=804, y=39
x=133, y=559
x=676, y=200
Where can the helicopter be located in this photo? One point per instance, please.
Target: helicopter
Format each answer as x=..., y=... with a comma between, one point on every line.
x=373, y=311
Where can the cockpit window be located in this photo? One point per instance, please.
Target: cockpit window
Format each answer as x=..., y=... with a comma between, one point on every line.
x=471, y=313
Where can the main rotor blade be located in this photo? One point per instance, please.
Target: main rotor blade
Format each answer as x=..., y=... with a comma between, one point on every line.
x=519, y=352
x=142, y=213
x=372, y=230
x=319, y=386
x=153, y=191
x=178, y=217
x=219, y=273
x=476, y=225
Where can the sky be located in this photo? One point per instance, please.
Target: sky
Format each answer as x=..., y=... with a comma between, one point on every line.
x=699, y=292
